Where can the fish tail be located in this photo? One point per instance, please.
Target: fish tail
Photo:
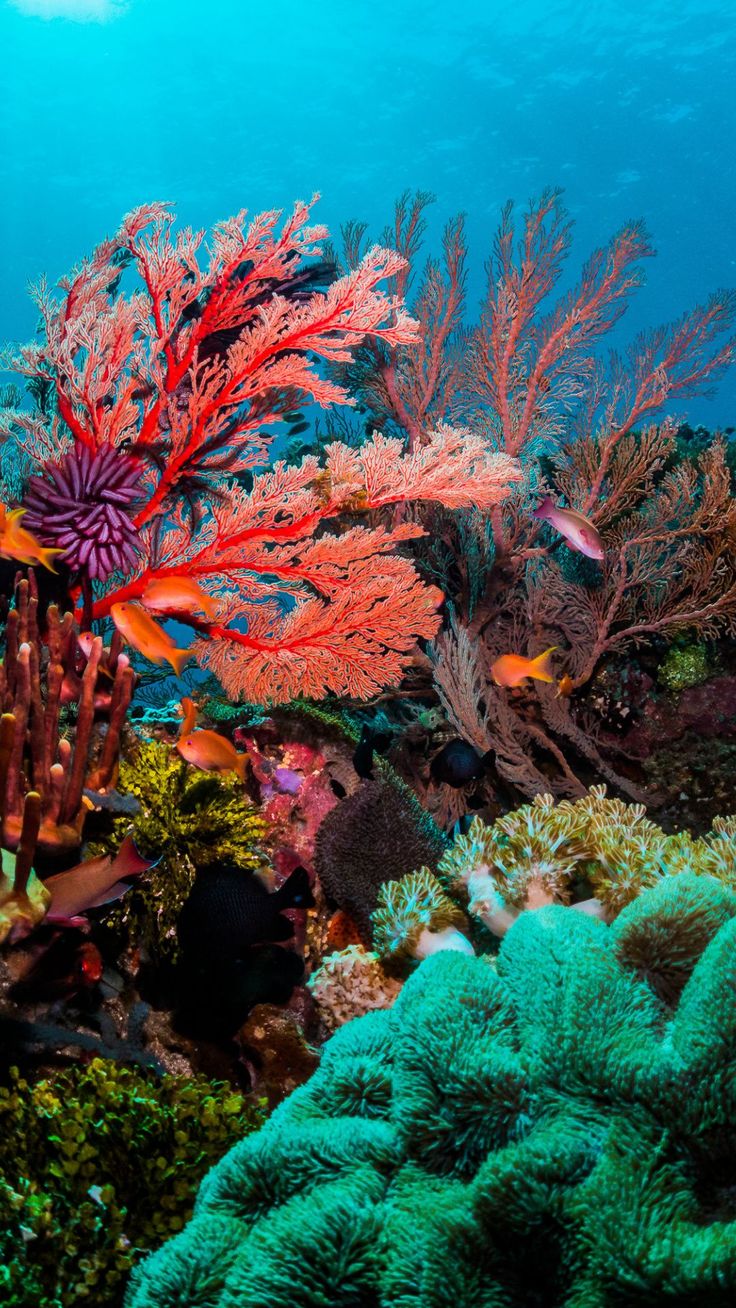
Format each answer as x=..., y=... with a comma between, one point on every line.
x=178, y=658
x=296, y=892
x=45, y=555
x=541, y=666
x=241, y=766
x=208, y=606
x=189, y=717
x=542, y=510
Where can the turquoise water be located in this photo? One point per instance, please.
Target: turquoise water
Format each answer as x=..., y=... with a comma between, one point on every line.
x=628, y=106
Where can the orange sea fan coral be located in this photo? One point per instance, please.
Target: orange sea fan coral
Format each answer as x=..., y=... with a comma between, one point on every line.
x=190, y=372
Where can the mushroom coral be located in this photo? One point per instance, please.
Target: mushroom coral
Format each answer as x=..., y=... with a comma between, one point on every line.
x=556, y=1128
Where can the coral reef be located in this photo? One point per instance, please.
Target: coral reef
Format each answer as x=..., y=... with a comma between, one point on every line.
x=98, y=1163
x=527, y=376
x=377, y=834
x=188, y=820
x=188, y=375
x=554, y=1130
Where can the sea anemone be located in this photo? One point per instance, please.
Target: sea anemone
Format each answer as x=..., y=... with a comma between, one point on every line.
x=80, y=504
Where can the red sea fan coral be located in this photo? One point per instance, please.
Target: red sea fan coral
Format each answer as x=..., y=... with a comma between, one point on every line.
x=80, y=505
x=190, y=371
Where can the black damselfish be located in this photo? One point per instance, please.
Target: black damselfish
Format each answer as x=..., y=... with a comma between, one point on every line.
x=457, y=763
x=229, y=910
x=370, y=742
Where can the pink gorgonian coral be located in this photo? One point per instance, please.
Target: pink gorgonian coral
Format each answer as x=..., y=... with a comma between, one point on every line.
x=80, y=505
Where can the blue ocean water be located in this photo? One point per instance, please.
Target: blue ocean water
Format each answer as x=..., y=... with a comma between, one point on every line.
x=628, y=105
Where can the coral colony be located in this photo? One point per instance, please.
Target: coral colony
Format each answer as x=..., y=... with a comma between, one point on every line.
x=340, y=776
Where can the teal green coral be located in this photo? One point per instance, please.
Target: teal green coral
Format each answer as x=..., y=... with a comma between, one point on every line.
x=558, y=1131
x=189, y=819
x=99, y=1164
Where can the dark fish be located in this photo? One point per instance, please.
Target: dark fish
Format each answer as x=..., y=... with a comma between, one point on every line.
x=458, y=763
x=298, y=427
x=337, y=788
x=370, y=742
x=229, y=910
x=216, y=997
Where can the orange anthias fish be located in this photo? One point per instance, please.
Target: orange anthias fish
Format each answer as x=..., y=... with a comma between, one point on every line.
x=178, y=595
x=212, y=752
x=21, y=545
x=139, y=630
x=512, y=669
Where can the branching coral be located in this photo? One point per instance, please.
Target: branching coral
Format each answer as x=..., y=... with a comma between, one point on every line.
x=527, y=379
x=188, y=373
x=98, y=1163
x=557, y=1130
x=188, y=820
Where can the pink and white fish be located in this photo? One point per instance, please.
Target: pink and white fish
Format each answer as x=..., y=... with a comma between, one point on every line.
x=578, y=531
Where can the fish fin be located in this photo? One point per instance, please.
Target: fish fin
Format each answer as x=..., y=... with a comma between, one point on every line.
x=178, y=658
x=541, y=667
x=208, y=606
x=44, y=555
x=14, y=516
x=296, y=892
x=129, y=862
x=543, y=509
x=189, y=717
x=241, y=767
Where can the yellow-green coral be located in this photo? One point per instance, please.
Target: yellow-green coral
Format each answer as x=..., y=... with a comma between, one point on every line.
x=188, y=820
x=406, y=908
x=683, y=666
x=596, y=844
x=99, y=1164
x=28, y=906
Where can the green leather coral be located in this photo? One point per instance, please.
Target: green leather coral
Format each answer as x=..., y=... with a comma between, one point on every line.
x=558, y=1130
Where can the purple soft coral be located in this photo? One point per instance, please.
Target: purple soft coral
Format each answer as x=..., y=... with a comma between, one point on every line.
x=79, y=505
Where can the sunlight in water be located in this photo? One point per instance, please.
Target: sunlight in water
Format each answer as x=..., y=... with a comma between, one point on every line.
x=79, y=11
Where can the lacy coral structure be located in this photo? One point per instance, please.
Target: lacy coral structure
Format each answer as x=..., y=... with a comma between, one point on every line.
x=188, y=372
x=576, y=1101
x=596, y=438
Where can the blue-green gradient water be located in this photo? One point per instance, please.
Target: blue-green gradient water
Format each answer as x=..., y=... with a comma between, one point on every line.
x=226, y=104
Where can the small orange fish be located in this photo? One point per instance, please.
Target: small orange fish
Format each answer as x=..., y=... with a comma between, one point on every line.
x=565, y=686
x=212, y=753
x=178, y=595
x=21, y=545
x=512, y=669
x=139, y=630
